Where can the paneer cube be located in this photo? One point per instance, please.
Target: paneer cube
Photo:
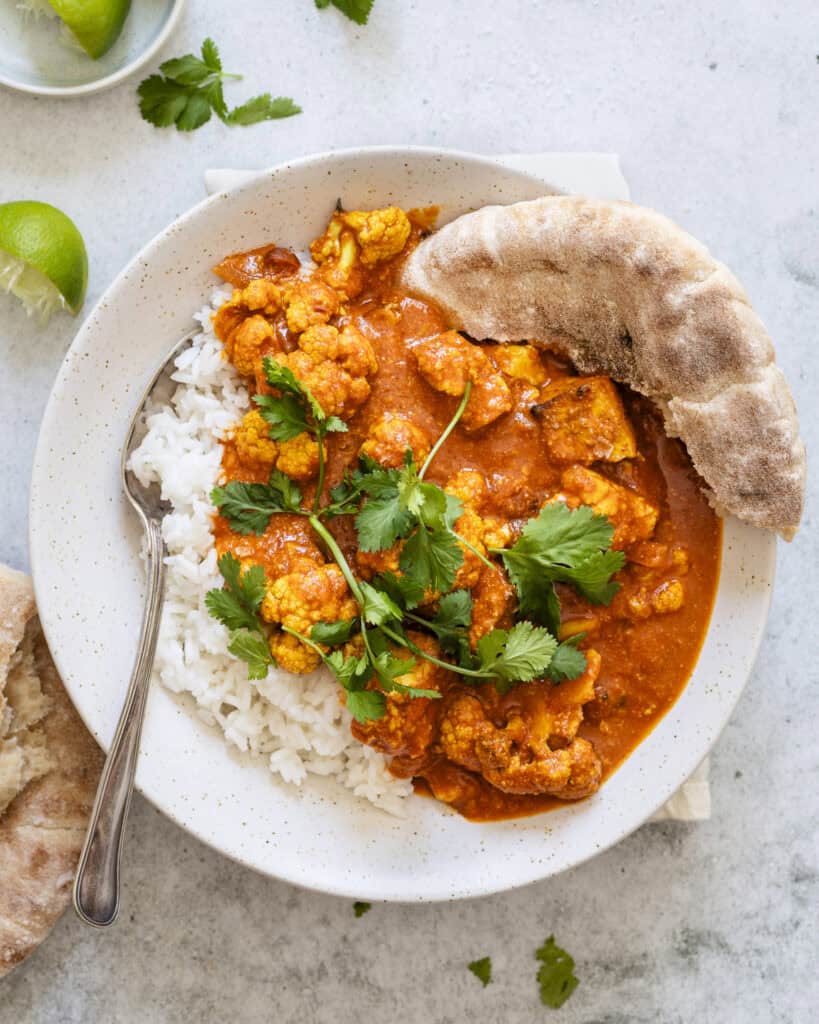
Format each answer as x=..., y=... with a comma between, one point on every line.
x=583, y=420
x=632, y=517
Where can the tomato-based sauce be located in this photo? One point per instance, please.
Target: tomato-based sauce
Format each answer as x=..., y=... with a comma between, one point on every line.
x=649, y=636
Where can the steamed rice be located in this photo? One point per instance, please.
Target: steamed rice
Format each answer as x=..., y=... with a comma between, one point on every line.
x=295, y=722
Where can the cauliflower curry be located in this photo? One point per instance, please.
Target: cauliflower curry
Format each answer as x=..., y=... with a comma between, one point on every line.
x=403, y=502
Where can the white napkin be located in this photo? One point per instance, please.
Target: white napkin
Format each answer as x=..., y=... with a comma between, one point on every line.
x=594, y=174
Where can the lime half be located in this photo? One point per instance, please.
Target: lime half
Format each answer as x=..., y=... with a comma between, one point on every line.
x=42, y=258
x=95, y=24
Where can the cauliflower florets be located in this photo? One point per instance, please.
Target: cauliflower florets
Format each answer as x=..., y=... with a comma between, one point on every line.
x=347, y=347
x=470, y=486
x=493, y=599
x=336, y=252
x=389, y=438
x=381, y=234
x=334, y=389
x=448, y=362
x=244, y=343
x=518, y=758
x=259, y=296
x=470, y=527
x=309, y=594
x=299, y=457
x=632, y=516
x=309, y=302
x=254, y=446
x=292, y=655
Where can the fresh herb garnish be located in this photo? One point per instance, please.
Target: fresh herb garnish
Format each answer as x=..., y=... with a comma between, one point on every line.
x=565, y=545
x=360, y=908
x=237, y=606
x=248, y=507
x=398, y=505
x=356, y=10
x=482, y=969
x=189, y=89
x=555, y=975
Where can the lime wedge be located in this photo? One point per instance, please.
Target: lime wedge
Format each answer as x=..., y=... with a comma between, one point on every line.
x=43, y=261
x=95, y=24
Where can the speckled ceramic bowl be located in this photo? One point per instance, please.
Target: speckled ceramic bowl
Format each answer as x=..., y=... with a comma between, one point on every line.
x=89, y=580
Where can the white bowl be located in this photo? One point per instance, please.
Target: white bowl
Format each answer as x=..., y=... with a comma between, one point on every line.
x=34, y=58
x=89, y=579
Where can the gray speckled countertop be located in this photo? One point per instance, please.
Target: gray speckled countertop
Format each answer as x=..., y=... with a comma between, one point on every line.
x=713, y=109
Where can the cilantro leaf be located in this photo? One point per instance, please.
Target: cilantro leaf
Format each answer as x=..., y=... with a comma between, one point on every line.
x=517, y=655
x=356, y=10
x=284, y=416
x=263, y=108
x=332, y=633
x=352, y=673
x=187, y=70
x=195, y=114
x=378, y=606
x=229, y=610
x=252, y=648
x=404, y=590
x=567, y=662
x=210, y=55
x=248, y=507
x=366, y=705
x=431, y=558
x=555, y=975
x=566, y=536
x=569, y=545
x=451, y=624
x=482, y=969
x=592, y=577
x=360, y=907
x=188, y=88
x=161, y=100
x=283, y=378
x=236, y=604
x=381, y=522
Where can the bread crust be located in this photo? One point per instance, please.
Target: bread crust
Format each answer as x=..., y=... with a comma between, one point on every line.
x=624, y=291
x=43, y=826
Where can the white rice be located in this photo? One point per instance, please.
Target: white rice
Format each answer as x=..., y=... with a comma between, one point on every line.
x=295, y=722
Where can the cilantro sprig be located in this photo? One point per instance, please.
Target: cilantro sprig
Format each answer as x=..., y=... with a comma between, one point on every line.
x=562, y=545
x=482, y=969
x=237, y=606
x=356, y=10
x=189, y=89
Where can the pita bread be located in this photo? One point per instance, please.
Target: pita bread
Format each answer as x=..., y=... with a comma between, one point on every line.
x=49, y=768
x=623, y=291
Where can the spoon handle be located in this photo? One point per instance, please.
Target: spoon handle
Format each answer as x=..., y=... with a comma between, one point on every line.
x=96, y=886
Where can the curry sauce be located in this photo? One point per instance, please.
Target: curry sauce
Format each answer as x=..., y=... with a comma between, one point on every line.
x=557, y=437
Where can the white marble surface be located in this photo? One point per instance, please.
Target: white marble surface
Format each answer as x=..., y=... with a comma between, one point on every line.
x=712, y=107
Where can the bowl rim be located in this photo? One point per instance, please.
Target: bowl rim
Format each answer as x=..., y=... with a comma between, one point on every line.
x=107, y=81
x=433, y=893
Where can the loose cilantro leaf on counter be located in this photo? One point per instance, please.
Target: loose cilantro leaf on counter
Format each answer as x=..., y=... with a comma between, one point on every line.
x=567, y=662
x=253, y=649
x=360, y=908
x=482, y=969
x=263, y=108
x=555, y=975
x=248, y=507
x=189, y=88
x=517, y=655
x=356, y=10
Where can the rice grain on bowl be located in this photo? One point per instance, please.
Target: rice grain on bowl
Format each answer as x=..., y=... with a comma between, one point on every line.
x=295, y=722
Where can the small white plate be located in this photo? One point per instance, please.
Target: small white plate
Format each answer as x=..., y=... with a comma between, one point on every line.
x=89, y=580
x=35, y=58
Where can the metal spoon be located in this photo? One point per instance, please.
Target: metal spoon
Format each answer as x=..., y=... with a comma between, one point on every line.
x=96, y=886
